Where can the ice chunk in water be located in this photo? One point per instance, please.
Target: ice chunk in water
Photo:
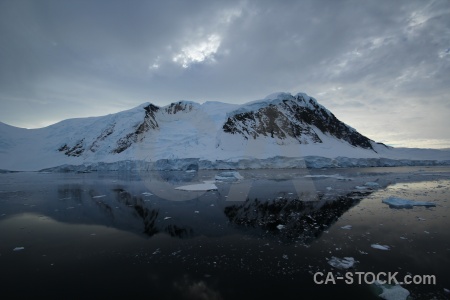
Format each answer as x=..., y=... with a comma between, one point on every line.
x=380, y=247
x=205, y=186
x=18, y=248
x=358, y=187
x=348, y=227
x=229, y=176
x=342, y=263
x=395, y=202
x=392, y=292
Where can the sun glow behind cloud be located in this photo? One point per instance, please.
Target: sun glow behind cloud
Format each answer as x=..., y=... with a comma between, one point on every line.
x=199, y=52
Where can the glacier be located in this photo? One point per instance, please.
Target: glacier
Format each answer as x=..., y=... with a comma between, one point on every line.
x=279, y=131
x=395, y=202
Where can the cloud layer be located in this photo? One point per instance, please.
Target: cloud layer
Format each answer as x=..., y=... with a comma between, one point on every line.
x=381, y=66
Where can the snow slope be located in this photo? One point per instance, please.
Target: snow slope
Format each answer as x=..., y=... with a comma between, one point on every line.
x=281, y=130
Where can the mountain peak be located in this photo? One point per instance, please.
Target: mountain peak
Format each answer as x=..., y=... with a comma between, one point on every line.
x=280, y=125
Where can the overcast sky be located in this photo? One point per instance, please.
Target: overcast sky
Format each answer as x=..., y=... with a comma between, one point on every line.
x=383, y=67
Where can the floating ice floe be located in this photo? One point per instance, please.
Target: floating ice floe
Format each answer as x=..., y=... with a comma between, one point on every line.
x=395, y=202
x=99, y=196
x=229, y=176
x=191, y=171
x=205, y=186
x=18, y=248
x=371, y=184
x=335, y=176
x=280, y=226
x=342, y=263
x=380, y=247
x=167, y=218
x=392, y=292
x=358, y=187
x=147, y=194
x=348, y=227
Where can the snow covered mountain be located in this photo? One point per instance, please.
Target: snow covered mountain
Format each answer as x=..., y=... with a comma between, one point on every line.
x=282, y=130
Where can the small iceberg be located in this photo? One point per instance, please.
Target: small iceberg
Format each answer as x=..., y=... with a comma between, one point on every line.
x=395, y=202
x=18, y=248
x=335, y=176
x=380, y=247
x=392, y=292
x=342, y=263
x=205, y=186
x=358, y=187
x=229, y=176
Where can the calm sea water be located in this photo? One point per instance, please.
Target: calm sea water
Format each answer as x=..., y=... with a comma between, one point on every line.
x=134, y=235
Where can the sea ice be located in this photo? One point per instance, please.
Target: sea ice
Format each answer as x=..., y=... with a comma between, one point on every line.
x=371, y=183
x=147, y=194
x=395, y=202
x=280, y=226
x=100, y=196
x=347, y=227
x=358, y=187
x=229, y=176
x=380, y=247
x=336, y=176
x=342, y=263
x=205, y=186
x=392, y=292
x=18, y=248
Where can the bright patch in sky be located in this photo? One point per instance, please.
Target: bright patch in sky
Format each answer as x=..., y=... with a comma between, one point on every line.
x=196, y=53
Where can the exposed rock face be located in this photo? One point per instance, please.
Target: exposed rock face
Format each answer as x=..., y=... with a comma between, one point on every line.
x=75, y=150
x=139, y=134
x=176, y=107
x=105, y=133
x=296, y=117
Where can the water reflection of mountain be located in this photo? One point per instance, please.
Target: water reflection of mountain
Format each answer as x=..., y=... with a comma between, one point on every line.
x=115, y=207
x=292, y=220
x=149, y=216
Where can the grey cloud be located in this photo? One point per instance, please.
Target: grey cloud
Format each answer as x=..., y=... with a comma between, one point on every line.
x=357, y=58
